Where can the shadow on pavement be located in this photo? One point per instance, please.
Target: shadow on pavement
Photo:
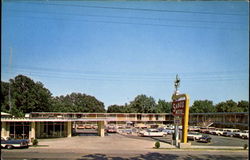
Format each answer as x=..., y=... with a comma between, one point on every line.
x=150, y=156
x=159, y=156
x=214, y=157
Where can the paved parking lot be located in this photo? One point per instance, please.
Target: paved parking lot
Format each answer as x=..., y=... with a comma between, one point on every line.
x=223, y=141
x=216, y=140
x=111, y=142
x=113, y=147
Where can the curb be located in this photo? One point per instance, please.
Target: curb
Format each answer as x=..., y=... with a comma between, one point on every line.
x=217, y=147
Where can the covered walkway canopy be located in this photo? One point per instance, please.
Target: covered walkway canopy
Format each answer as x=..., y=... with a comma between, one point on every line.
x=44, y=127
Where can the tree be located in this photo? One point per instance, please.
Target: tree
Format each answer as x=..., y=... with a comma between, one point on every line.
x=244, y=105
x=116, y=109
x=26, y=96
x=228, y=106
x=143, y=104
x=163, y=106
x=77, y=102
x=5, y=104
x=202, y=106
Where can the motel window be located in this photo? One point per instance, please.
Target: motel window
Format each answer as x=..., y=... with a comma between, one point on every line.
x=138, y=117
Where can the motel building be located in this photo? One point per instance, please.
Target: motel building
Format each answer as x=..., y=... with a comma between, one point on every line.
x=55, y=124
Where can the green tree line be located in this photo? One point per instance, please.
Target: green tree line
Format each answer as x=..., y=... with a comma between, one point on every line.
x=22, y=95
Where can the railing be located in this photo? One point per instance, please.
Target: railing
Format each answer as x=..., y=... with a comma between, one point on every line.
x=53, y=119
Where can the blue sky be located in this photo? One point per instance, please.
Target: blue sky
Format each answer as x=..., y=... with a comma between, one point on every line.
x=118, y=50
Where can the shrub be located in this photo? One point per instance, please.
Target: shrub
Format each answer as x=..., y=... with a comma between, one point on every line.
x=157, y=144
x=35, y=142
x=245, y=146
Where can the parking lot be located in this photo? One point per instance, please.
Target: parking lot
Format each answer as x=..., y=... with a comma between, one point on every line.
x=115, y=146
x=223, y=141
x=127, y=144
x=216, y=140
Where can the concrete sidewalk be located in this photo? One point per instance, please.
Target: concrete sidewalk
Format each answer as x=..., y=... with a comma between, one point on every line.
x=218, y=147
x=166, y=146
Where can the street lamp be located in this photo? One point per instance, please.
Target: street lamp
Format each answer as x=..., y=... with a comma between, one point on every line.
x=177, y=84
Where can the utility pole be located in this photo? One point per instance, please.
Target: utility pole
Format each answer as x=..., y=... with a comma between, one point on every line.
x=10, y=81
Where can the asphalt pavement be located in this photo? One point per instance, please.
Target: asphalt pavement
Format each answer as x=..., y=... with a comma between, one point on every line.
x=116, y=147
x=31, y=154
x=216, y=140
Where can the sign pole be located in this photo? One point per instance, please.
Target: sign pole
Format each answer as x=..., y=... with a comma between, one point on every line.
x=185, y=123
x=176, y=135
x=181, y=106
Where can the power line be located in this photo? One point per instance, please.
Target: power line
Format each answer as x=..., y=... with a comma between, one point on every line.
x=122, y=17
x=213, y=76
x=131, y=23
x=137, y=9
x=127, y=79
x=89, y=72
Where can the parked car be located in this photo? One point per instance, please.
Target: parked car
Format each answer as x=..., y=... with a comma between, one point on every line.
x=88, y=126
x=193, y=128
x=243, y=134
x=127, y=131
x=168, y=131
x=204, y=139
x=80, y=127
x=230, y=132
x=194, y=136
x=14, y=143
x=206, y=130
x=170, y=127
x=152, y=133
x=218, y=132
x=166, y=127
x=111, y=129
x=141, y=132
x=211, y=131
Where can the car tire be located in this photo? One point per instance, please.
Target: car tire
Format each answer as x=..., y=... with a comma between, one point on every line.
x=9, y=146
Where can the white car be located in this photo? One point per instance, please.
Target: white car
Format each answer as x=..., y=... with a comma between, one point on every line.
x=168, y=131
x=169, y=127
x=193, y=128
x=230, y=132
x=152, y=133
x=194, y=136
x=243, y=134
x=218, y=132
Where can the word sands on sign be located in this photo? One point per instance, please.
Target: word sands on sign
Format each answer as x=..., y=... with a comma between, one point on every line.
x=178, y=108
